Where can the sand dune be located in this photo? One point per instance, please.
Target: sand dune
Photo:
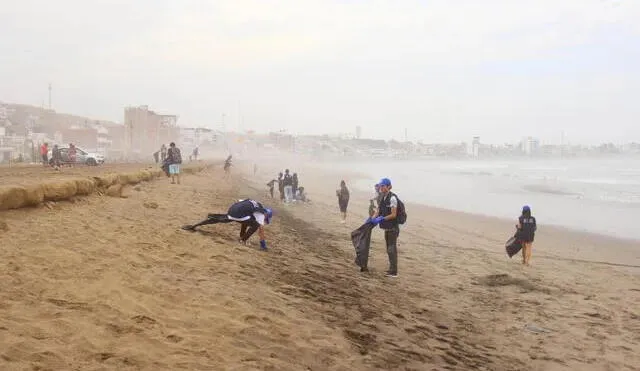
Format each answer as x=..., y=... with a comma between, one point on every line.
x=108, y=283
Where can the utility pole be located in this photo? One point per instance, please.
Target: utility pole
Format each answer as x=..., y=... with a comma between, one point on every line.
x=406, y=136
x=49, y=96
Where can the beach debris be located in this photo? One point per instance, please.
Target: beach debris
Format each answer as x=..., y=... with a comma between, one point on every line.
x=531, y=327
x=137, y=188
x=114, y=190
x=4, y=226
x=150, y=204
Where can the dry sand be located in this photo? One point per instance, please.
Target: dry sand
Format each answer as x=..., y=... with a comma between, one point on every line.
x=109, y=283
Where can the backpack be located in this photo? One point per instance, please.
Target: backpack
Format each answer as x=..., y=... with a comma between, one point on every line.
x=401, y=213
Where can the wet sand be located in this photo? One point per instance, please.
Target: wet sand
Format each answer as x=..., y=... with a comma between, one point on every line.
x=112, y=283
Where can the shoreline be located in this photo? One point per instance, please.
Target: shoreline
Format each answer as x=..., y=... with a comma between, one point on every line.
x=554, y=209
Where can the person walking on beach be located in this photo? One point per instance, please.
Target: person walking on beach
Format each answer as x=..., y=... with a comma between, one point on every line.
x=251, y=215
x=271, y=185
x=281, y=186
x=343, y=200
x=526, y=232
x=44, y=153
x=294, y=183
x=387, y=218
x=56, y=156
x=163, y=152
x=288, y=186
x=175, y=159
x=227, y=167
x=72, y=154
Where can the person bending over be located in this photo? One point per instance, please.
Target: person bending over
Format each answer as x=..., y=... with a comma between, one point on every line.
x=251, y=215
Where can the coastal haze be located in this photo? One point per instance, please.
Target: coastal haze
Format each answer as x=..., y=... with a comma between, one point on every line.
x=600, y=195
x=473, y=109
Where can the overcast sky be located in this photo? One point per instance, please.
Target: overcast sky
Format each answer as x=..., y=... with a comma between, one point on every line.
x=444, y=69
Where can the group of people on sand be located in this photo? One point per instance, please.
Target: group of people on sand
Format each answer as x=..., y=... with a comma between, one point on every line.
x=171, y=161
x=288, y=187
x=386, y=210
x=56, y=160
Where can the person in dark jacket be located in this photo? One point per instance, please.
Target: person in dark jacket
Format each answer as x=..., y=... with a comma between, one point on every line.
x=343, y=199
x=271, y=185
x=281, y=186
x=288, y=186
x=251, y=215
x=174, y=158
x=227, y=167
x=526, y=233
x=386, y=217
x=294, y=184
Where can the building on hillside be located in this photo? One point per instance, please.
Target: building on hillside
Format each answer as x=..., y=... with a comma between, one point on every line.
x=145, y=131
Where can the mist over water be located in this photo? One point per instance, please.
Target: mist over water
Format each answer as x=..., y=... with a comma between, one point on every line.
x=595, y=195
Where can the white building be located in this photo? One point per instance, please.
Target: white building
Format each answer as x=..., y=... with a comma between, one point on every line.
x=196, y=137
x=530, y=146
x=475, y=147
x=103, y=141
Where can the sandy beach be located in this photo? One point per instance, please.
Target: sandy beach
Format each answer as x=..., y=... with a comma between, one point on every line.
x=113, y=284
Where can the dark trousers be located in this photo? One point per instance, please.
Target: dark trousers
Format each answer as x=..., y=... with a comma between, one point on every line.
x=391, y=238
x=248, y=228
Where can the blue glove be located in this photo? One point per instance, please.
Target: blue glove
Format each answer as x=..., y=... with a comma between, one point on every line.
x=263, y=244
x=368, y=220
x=377, y=220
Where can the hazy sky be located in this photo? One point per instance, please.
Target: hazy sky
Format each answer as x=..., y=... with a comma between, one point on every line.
x=444, y=69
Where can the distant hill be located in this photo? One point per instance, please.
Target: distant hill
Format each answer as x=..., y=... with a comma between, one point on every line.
x=43, y=120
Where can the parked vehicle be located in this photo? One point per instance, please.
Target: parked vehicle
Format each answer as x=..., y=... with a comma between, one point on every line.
x=82, y=157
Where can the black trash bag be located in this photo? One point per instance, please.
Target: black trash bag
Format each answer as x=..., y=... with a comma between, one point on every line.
x=361, y=239
x=513, y=246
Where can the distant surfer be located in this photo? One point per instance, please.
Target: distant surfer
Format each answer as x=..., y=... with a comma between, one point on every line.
x=251, y=215
x=526, y=232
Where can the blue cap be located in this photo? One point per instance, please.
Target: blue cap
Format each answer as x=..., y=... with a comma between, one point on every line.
x=526, y=208
x=385, y=182
x=269, y=214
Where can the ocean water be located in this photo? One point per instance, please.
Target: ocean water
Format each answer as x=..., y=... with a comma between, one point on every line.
x=595, y=195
